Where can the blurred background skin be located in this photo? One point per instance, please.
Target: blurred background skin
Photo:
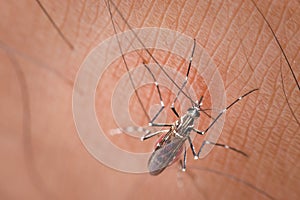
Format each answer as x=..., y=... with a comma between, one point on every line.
x=42, y=156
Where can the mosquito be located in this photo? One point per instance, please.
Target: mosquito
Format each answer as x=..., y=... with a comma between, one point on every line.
x=171, y=143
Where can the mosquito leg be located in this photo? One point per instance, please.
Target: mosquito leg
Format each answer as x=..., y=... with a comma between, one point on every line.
x=161, y=103
x=199, y=132
x=183, y=164
x=161, y=124
x=150, y=135
x=223, y=111
x=159, y=94
x=147, y=133
x=216, y=119
x=185, y=81
x=174, y=110
x=221, y=145
x=192, y=148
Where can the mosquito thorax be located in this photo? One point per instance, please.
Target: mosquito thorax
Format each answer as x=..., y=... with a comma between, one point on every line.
x=193, y=112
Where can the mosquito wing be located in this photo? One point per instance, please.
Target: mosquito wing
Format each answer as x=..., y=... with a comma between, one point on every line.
x=163, y=156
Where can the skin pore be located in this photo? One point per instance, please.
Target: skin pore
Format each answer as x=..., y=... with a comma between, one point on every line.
x=42, y=155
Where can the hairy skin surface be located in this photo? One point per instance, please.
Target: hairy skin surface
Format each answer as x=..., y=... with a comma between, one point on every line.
x=41, y=153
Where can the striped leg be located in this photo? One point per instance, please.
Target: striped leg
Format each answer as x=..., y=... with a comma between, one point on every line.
x=183, y=163
x=222, y=112
x=185, y=81
x=216, y=119
x=221, y=145
x=180, y=90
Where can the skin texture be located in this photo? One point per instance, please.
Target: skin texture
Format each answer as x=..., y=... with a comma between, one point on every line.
x=42, y=155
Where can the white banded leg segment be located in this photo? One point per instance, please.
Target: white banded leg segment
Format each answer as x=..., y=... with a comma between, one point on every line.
x=193, y=148
x=174, y=110
x=185, y=81
x=199, y=132
x=223, y=111
x=183, y=163
x=221, y=145
x=159, y=94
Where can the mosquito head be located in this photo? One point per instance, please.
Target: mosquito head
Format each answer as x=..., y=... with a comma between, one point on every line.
x=194, y=112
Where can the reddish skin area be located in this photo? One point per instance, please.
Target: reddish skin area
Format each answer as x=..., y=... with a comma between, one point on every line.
x=41, y=153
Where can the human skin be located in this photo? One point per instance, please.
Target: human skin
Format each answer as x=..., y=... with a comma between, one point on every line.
x=42, y=155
